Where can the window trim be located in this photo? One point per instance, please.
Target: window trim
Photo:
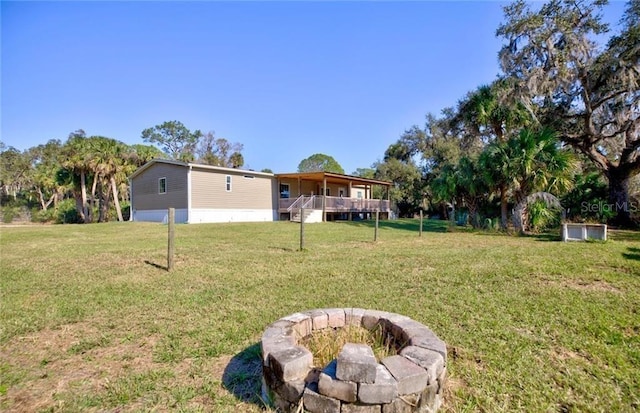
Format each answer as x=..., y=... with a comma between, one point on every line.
x=288, y=190
x=160, y=180
x=228, y=181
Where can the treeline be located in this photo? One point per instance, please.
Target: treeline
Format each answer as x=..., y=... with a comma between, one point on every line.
x=85, y=179
x=560, y=125
x=562, y=120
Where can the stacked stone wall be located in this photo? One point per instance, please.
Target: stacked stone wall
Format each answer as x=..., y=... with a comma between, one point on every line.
x=411, y=381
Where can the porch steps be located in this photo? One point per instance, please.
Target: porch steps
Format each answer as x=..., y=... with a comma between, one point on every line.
x=310, y=216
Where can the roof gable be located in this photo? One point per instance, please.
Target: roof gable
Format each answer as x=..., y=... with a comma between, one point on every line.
x=198, y=166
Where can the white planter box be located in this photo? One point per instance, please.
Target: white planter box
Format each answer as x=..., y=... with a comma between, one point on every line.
x=583, y=232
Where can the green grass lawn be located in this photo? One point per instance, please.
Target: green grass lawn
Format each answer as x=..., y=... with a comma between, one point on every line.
x=91, y=321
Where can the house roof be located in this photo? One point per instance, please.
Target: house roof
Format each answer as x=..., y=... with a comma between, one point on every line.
x=333, y=178
x=195, y=165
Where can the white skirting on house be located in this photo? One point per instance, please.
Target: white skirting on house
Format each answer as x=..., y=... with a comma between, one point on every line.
x=232, y=215
x=159, y=215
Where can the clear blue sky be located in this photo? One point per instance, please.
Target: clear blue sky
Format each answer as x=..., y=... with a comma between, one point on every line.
x=285, y=79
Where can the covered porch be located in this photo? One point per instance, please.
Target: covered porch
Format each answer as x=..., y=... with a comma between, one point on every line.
x=335, y=196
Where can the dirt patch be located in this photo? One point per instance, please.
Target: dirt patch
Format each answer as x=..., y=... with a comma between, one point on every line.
x=75, y=357
x=583, y=285
x=54, y=368
x=563, y=354
x=452, y=401
x=596, y=285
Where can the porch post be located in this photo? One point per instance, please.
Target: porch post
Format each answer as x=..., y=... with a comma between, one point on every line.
x=350, y=201
x=324, y=199
x=299, y=186
x=389, y=202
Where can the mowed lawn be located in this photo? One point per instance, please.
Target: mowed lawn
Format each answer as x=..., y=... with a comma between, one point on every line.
x=91, y=320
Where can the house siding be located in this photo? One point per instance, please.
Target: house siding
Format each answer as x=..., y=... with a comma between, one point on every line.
x=160, y=215
x=209, y=191
x=144, y=188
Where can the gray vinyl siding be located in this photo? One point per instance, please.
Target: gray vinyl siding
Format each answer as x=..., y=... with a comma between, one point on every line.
x=209, y=190
x=144, y=188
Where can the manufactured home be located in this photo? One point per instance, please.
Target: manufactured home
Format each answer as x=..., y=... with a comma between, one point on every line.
x=202, y=193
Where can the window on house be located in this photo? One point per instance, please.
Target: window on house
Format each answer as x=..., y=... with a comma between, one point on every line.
x=284, y=191
x=328, y=192
x=162, y=185
x=228, y=183
x=359, y=194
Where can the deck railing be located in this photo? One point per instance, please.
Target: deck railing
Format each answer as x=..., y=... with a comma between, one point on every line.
x=334, y=204
x=340, y=204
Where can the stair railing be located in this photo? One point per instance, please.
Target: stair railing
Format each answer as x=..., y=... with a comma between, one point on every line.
x=296, y=204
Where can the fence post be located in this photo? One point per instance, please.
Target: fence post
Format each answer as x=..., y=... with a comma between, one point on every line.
x=420, y=222
x=375, y=234
x=170, y=249
x=301, y=229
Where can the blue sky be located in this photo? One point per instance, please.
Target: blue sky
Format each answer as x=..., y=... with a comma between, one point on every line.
x=285, y=79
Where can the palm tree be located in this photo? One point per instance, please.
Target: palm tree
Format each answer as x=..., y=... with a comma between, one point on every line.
x=75, y=160
x=444, y=188
x=108, y=159
x=472, y=187
x=530, y=162
x=492, y=116
x=461, y=184
x=45, y=163
x=494, y=163
x=141, y=154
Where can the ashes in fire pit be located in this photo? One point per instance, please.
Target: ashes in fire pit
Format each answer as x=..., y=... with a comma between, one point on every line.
x=410, y=381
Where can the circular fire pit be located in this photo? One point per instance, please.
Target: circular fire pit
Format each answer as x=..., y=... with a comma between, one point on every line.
x=411, y=381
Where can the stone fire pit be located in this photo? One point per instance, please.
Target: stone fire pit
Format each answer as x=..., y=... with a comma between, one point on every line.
x=354, y=382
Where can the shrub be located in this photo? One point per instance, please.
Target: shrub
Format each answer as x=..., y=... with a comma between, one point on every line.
x=38, y=215
x=126, y=211
x=542, y=217
x=9, y=213
x=67, y=213
x=590, y=190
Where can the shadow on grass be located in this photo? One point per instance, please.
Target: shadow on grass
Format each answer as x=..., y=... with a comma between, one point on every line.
x=624, y=235
x=633, y=254
x=545, y=237
x=243, y=375
x=158, y=266
x=413, y=225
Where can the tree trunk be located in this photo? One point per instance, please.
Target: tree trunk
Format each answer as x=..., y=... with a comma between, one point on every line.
x=83, y=194
x=473, y=213
x=50, y=201
x=79, y=207
x=503, y=208
x=93, y=190
x=453, y=212
x=104, y=203
x=619, y=198
x=41, y=199
x=519, y=218
x=116, y=201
